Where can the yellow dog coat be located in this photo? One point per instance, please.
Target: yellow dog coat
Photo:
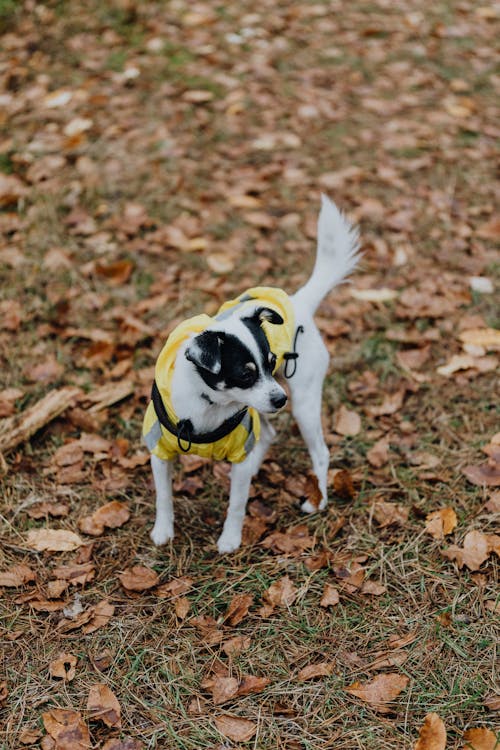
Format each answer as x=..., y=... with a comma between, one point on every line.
x=236, y=445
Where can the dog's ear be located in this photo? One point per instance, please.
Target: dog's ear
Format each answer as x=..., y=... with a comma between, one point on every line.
x=265, y=313
x=205, y=351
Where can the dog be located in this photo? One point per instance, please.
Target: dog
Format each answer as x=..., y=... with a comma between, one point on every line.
x=216, y=381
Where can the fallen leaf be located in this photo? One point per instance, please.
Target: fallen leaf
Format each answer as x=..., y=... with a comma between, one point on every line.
x=100, y=616
x=347, y=422
x=220, y=263
x=323, y=669
x=235, y=646
x=76, y=574
x=390, y=405
x=372, y=588
x=432, y=735
x=378, y=455
x=175, y=587
x=475, y=551
x=441, y=522
x=116, y=273
x=53, y=540
x=330, y=596
x=64, y=667
x=126, y=743
x=103, y=704
x=11, y=189
x=387, y=514
x=17, y=575
x=486, y=338
x=46, y=508
x=235, y=728
x=112, y=516
x=67, y=728
x=492, y=702
x=30, y=736
x=293, y=541
x=251, y=684
x=480, y=739
x=282, y=593
x=379, y=691
x=485, y=474
x=238, y=609
x=138, y=578
x=413, y=359
x=182, y=606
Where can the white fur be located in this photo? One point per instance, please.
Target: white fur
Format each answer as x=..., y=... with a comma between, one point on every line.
x=337, y=256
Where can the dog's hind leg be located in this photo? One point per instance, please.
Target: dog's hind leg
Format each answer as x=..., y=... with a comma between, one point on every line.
x=306, y=387
x=163, y=530
x=241, y=476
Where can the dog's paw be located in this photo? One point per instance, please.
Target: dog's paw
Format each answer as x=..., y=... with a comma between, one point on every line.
x=308, y=507
x=161, y=534
x=228, y=543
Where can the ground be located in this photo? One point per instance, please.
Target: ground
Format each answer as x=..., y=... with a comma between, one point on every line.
x=155, y=160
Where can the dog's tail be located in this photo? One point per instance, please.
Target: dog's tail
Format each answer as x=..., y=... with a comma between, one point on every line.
x=336, y=257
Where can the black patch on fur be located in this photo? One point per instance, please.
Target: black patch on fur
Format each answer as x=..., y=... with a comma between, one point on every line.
x=254, y=325
x=234, y=358
x=205, y=351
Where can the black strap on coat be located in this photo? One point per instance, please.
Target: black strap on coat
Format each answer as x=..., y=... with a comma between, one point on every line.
x=292, y=356
x=183, y=431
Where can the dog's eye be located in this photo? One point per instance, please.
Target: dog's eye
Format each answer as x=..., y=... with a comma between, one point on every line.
x=251, y=366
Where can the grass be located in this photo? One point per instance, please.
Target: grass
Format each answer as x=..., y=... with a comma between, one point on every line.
x=157, y=662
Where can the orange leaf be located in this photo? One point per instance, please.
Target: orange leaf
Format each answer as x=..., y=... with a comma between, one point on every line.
x=480, y=739
x=282, y=593
x=432, y=735
x=475, y=551
x=441, y=522
x=116, y=273
x=63, y=667
x=238, y=608
x=330, y=596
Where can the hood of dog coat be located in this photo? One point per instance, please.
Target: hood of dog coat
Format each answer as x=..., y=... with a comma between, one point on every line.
x=279, y=336
x=238, y=444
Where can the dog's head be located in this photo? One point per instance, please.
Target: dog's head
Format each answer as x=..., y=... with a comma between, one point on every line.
x=234, y=359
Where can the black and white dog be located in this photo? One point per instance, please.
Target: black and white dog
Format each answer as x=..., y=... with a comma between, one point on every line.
x=215, y=381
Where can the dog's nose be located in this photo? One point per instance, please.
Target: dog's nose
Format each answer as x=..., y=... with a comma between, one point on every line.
x=278, y=400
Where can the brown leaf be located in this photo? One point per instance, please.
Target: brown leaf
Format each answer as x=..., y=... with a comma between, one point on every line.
x=485, y=474
x=175, y=587
x=390, y=405
x=238, y=609
x=475, y=551
x=116, y=273
x=235, y=728
x=11, y=189
x=67, y=728
x=235, y=646
x=347, y=422
x=432, y=735
x=413, y=359
x=182, y=606
x=251, y=684
x=102, y=704
x=126, y=743
x=138, y=578
x=343, y=485
x=282, y=593
x=64, y=667
x=372, y=588
x=379, y=691
x=323, y=669
x=330, y=596
x=76, y=573
x=480, y=739
x=387, y=514
x=53, y=540
x=441, y=522
x=47, y=371
x=17, y=575
x=112, y=515
x=30, y=736
x=492, y=702
x=293, y=541
x=48, y=508
x=378, y=455
x=100, y=616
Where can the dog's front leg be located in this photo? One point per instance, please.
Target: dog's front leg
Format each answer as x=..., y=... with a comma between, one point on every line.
x=163, y=530
x=241, y=475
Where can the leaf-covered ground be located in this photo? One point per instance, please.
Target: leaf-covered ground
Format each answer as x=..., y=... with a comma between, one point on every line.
x=157, y=158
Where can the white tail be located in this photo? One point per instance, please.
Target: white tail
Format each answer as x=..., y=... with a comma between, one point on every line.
x=336, y=257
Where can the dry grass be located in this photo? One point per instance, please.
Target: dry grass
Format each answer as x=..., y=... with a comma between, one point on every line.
x=150, y=145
